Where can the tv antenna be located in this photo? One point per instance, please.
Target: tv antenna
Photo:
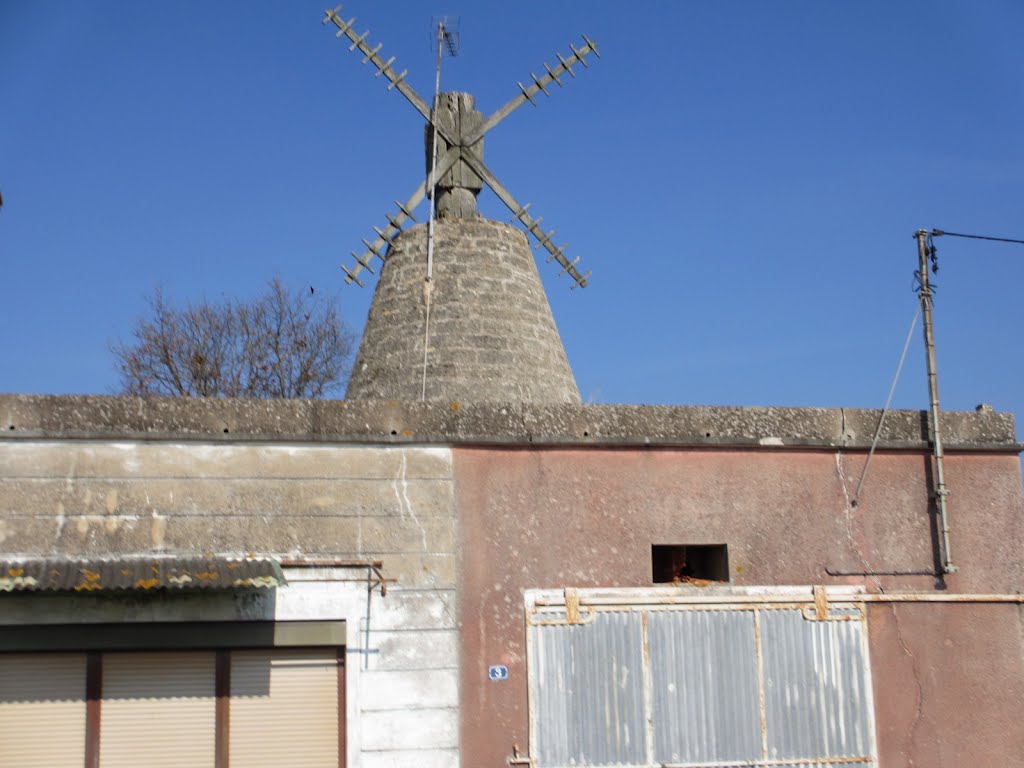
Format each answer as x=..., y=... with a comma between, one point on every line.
x=450, y=38
x=459, y=172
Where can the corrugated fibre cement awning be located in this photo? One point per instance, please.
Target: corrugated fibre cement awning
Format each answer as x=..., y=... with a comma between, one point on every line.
x=138, y=572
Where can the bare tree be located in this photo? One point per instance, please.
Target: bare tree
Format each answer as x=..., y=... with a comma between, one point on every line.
x=280, y=344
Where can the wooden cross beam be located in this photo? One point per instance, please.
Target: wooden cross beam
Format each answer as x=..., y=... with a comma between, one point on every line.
x=539, y=84
x=461, y=149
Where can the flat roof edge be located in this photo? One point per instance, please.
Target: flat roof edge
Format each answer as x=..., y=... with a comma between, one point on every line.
x=511, y=424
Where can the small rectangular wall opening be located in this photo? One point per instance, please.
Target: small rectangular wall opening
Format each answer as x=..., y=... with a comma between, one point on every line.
x=689, y=563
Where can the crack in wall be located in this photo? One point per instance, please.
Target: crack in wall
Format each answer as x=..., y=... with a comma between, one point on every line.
x=919, y=703
x=919, y=700
x=447, y=609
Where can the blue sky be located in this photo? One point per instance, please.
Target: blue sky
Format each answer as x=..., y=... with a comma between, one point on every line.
x=743, y=178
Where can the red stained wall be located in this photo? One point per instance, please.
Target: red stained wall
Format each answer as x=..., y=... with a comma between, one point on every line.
x=550, y=518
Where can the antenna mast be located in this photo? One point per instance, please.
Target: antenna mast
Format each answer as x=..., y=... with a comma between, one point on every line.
x=926, y=250
x=445, y=39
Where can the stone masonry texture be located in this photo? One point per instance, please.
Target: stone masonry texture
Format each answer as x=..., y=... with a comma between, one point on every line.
x=492, y=337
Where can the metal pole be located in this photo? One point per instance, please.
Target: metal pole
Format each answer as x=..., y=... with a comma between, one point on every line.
x=940, y=490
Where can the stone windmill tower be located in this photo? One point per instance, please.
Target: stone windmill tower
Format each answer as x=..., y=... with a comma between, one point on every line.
x=459, y=312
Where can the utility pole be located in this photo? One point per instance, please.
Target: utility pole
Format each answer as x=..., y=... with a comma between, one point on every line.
x=924, y=251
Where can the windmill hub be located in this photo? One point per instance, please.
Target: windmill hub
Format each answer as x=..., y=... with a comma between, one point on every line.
x=457, y=189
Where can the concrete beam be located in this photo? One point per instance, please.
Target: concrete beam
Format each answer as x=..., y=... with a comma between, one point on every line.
x=443, y=423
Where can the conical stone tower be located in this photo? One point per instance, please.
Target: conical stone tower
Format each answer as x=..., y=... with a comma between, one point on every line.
x=466, y=318
x=491, y=335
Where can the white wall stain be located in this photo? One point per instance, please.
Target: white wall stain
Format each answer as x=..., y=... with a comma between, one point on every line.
x=404, y=503
x=61, y=520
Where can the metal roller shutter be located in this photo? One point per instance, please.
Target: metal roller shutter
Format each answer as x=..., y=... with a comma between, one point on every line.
x=159, y=710
x=284, y=708
x=42, y=702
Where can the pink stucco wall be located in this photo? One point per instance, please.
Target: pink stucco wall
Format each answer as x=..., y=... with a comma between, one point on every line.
x=549, y=518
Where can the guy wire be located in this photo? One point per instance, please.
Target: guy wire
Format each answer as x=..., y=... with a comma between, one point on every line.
x=885, y=410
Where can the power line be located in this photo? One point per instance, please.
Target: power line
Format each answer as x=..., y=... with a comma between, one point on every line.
x=938, y=232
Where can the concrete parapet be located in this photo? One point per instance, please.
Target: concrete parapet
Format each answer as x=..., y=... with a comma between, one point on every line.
x=455, y=422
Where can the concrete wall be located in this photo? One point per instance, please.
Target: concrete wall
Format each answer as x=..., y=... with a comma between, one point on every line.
x=517, y=496
x=949, y=680
x=553, y=518
x=98, y=498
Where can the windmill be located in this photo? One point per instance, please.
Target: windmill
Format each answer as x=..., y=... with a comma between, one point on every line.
x=460, y=166
x=459, y=304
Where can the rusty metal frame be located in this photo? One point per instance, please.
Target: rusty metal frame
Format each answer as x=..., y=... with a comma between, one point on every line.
x=375, y=569
x=648, y=676
x=762, y=698
x=620, y=599
x=518, y=758
x=809, y=614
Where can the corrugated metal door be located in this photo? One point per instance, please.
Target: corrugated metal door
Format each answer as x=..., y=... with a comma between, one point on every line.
x=704, y=692
x=593, y=674
x=701, y=686
x=817, y=692
x=42, y=702
x=159, y=710
x=284, y=708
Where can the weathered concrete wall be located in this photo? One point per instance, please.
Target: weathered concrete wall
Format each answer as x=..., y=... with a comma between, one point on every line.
x=948, y=683
x=87, y=497
x=100, y=474
x=345, y=503
x=550, y=518
x=446, y=423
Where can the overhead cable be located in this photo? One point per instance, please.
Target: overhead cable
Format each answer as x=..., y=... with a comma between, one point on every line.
x=938, y=232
